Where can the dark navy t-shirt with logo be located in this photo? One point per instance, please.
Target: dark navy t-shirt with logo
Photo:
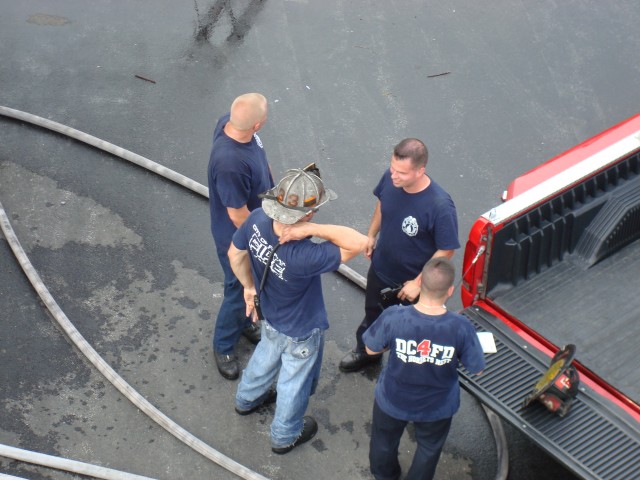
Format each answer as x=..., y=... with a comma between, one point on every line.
x=292, y=299
x=414, y=226
x=420, y=380
x=238, y=173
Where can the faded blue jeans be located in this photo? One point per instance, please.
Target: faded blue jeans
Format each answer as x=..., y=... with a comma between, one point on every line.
x=231, y=318
x=296, y=363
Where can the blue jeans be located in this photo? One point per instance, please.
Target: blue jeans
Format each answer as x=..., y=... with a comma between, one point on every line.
x=386, y=432
x=231, y=318
x=296, y=362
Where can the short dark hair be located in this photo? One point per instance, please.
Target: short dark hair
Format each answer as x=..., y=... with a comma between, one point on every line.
x=437, y=277
x=413, y=149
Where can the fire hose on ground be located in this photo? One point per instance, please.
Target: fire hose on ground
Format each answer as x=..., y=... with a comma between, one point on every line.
x=129, y=392
x=74, y=466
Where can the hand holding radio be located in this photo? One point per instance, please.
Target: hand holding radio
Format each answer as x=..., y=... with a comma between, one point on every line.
x=256, y=308
x=389, y=294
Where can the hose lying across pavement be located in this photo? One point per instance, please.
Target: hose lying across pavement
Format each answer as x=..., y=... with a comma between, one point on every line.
x=75, y=336
x=110, y=374
x=139, y=160
x=4, y=476
x=66, y=464
x=103, y=367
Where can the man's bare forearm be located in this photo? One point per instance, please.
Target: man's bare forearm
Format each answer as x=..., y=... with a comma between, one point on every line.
x=350, y=241
x=376, y=221
x=238, y=215
x=344, y=237
x=241, y=266
x=444, y=253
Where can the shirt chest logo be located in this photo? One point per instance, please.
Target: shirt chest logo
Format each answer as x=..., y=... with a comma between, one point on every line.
x=410, y=226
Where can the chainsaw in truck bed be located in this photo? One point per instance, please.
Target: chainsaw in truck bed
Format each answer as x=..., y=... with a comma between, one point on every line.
x=554, y=274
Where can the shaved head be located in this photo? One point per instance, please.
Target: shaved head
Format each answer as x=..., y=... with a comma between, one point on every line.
x=437, y=277
x=249, y=111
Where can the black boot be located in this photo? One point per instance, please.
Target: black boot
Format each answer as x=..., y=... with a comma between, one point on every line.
x=354, y=361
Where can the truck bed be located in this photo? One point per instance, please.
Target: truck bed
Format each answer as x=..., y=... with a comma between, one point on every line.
x=569, y=303
x=560, y=266
x=596, y=440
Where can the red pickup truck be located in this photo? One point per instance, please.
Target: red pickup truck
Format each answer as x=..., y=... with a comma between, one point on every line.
x=558, y=263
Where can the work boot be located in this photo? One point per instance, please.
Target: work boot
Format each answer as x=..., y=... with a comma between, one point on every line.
x=270, y=397
x=252, y=332
x=354, y=361
x=309, y=429
x=227, y=365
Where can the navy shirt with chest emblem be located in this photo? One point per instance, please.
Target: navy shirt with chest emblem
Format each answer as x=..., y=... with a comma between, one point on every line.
x=414, y=226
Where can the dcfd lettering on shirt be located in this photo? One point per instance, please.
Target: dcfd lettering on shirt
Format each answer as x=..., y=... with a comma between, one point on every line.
x=261, y=250
x=425, y=351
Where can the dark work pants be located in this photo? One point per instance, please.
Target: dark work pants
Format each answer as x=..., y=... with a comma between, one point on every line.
x=232, y=318
x=386, y=432
x=372, y=306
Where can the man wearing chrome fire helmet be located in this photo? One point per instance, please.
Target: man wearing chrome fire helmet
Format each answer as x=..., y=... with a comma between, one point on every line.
x=280, y=267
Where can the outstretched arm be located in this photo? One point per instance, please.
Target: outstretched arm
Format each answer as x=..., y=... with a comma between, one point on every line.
x=350, y=241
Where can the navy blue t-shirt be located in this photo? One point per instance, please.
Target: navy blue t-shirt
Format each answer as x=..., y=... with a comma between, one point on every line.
x=291, y=300
x=238, y=173
x=419, y=383
x=414, y=226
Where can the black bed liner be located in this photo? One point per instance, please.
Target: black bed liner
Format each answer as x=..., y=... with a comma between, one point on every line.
x=596, y=440
x=597, y=310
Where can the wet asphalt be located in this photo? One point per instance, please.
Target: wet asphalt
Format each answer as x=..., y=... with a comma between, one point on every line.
x=492, y=89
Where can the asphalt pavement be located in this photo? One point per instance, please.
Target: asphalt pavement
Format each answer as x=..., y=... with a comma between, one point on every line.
x=493, y=90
